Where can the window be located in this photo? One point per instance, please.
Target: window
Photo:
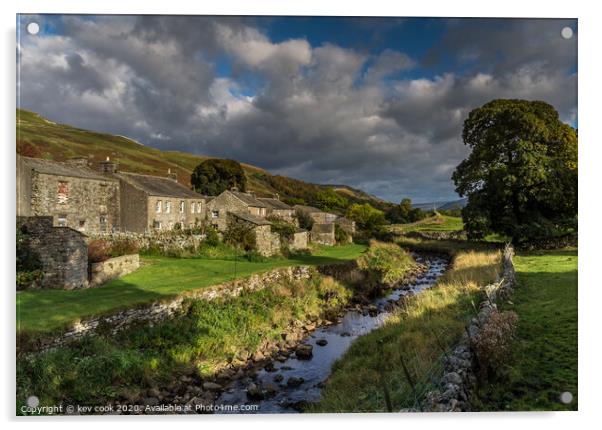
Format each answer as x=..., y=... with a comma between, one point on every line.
x=182, y=206
x=214, y=214
x=62, y=220
x=82, y=224
x=198, y=207
x=157, y=225
x=167, y=207
x=192, y=207
x=158, y=206
x=103, y=223
x=62, y=194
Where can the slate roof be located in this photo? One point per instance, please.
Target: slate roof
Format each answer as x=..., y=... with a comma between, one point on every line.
x=59, y=168
x=248, y=199
x=275, y=203
x=308, y=209
x=158, y=186
x=250, y=218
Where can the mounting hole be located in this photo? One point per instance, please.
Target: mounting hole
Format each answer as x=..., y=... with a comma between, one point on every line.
x=567, y=32
x=566, y=397
x=33, y=28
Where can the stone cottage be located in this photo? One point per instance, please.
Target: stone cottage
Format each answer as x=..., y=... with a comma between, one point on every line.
x=70, y=192
x=151, y=203
x=279, y=209
x=62, y=251
x=319, y=216
x=233, y=202
x=267, y=243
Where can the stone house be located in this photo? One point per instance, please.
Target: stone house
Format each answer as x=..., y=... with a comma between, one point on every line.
x=233, y=202
x=279, y=209
x=70, y=192
x=267, y=243
x=62, y=251
x=319, y=216
x=151, y=203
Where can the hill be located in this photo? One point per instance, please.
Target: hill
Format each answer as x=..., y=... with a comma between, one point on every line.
x=454, y=204
x=42, y=138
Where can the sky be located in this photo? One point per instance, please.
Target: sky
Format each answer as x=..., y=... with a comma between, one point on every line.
x=374, y=103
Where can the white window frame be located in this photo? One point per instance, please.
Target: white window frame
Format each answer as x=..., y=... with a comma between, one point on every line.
x=158, y=206
x=168, y=207
x=214, y=214
x=192, y=204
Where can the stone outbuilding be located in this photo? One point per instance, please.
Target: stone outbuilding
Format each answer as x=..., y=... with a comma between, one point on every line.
x=62, y=251
x=346, y=224
x=267, y=243
x=154, y=203
x=69, y=192
x=233, y=202
x=319, y=216
x=279, y=209
x=300, y=240
x=323, y=234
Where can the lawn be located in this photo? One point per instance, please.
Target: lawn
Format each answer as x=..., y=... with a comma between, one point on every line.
x=545, y=354
x=437, y=222
x=159, y=277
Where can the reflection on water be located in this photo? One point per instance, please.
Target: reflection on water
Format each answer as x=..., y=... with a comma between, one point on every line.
x=338, y=337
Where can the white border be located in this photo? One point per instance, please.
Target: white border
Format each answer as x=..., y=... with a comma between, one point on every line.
x=590, y=214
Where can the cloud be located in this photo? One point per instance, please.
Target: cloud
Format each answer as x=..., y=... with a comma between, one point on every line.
x=380, y=121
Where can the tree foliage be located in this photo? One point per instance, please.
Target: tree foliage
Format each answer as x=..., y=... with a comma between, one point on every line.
x=521, y=176
x=367, y=217
x=331, y=201
x=214, y=176
x=403, y=213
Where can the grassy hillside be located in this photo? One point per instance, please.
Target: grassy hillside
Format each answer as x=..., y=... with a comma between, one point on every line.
x=42, y=138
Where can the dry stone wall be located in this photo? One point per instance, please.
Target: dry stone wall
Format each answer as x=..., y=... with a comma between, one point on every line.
x=459, y=380
x=113, y=268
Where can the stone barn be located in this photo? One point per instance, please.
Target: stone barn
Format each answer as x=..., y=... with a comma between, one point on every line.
x=267, y=243
x=279, y=209
x=62, y=251
x=220, y=207
x=319, y=217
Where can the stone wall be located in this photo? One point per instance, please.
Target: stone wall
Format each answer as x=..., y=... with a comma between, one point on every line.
x=62, y=251
x=459, y=381
x=113, y=268
x=268, y=243
x=164, y=241
x=323, y=234
x=164, y=309
x=300, y=240
x=167, y=219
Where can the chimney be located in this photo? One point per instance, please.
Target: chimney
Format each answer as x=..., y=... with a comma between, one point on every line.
x=277, y=196
x=234, y=188
x=108, y=167
x=78, y=161
x=172, y=176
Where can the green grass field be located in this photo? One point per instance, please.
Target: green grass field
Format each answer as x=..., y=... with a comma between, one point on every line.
x=159, y=277
x=437, y=222
x=545, y=354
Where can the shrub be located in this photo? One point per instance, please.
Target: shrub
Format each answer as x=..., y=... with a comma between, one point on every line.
x=493, y=343
x=239, y=234
x=98, y=251
x=340, y=234
x=388, y=260
x=26, y=279
x=283, y=228
x=305, y=221
x=27, y=259
x=255, y=257
x=211, y=236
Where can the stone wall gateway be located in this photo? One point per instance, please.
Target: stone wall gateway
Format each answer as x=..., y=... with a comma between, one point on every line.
x=62, y=251
x=113, y=268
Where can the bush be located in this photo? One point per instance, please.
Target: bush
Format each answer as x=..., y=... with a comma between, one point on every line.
x=98, y=251
x=238, y=234
x=283, y=228
x=340, y=234
x=390, y=261
x=27, y=259
x=305, y=221
x=255, y=257
x=211, y=236
x=26, y=279
x=493, y=344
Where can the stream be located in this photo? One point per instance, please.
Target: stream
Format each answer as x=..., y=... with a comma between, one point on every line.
x=295, y=382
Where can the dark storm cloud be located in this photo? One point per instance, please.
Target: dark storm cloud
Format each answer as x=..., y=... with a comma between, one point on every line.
x=321, y=113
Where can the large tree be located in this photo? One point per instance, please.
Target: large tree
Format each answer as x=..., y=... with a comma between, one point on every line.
x=521, y=176
x=367, y=217
x=214, y=176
